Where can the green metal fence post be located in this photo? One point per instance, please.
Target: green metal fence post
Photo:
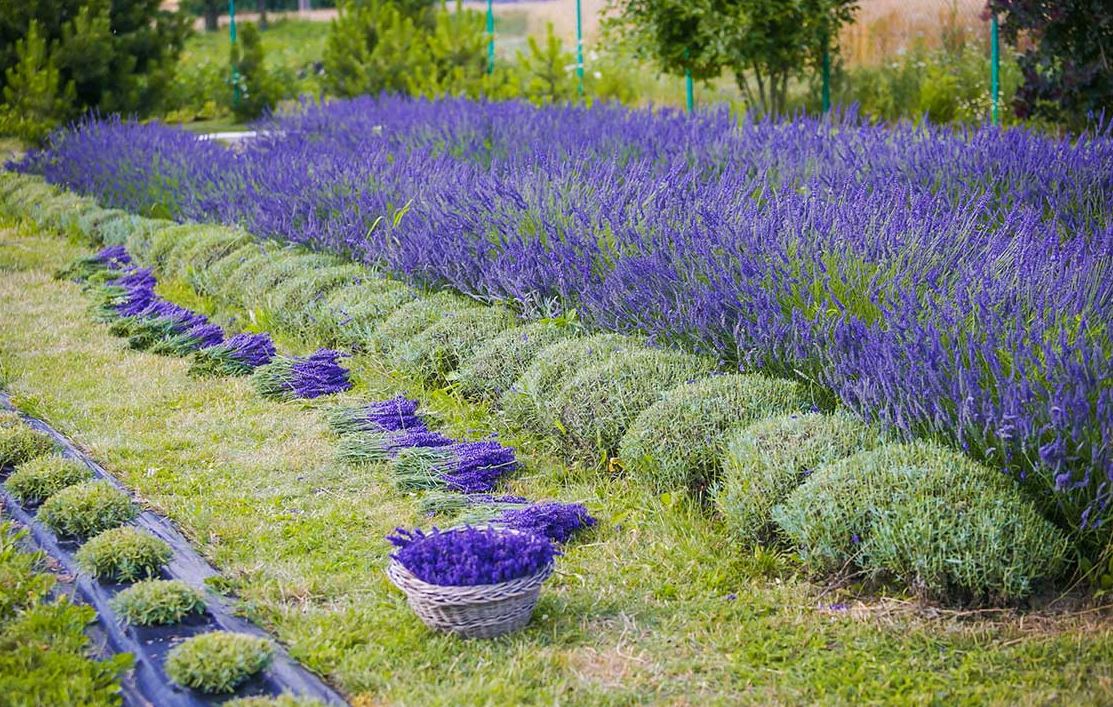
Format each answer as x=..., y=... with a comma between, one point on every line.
x=490, y=37
x=826, y=96
x=994, y=70
x=689, y=88
x=580, y=47
x=232, y=36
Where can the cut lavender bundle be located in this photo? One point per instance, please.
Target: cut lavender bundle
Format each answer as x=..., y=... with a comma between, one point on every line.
x=117, y=301
x=468, y=467
x=112, y=258
x=290, y=377
x=197, y=337
x=238, y=356
x=438, y=502
x=554, y=520
x=393, y=415
x=371, y=447
x=467, y=557
x=159, y=321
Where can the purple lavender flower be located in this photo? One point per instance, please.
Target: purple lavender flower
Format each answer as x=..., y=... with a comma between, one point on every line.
x=369, y=447
x=467, y=467
x=468, y=556
x=136, y=277
x=237, y=356
x=134, y=300
x=114, y=257
x=319, y=374
x=396, y=414
x=551, y=519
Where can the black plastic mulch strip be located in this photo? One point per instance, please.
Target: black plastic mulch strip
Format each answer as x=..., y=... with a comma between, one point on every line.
x=148, y=683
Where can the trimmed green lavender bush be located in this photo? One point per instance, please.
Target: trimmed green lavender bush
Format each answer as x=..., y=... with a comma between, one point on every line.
x=139, y=240
x=349, y=315
x=204, y=246
x=250, y=288
x=435, y=352
x=209, y=279
x=493, y=367
x=928, y=516
x=292, y=304
x=765, y=461
x=162, y=244
x=10, y=418
x=19, y=443
x=597, y=405
x=87, y=509
x=115, y=230
x=414, y=317
x=36, y=480
x=218, y=662
x=678, y=441
x=156, y=602
x=123, y=555
x=529, y=403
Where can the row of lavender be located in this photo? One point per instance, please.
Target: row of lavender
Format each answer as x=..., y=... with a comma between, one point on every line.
x=953, y=285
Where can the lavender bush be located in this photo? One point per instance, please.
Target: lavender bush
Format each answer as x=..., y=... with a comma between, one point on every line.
x=951, y=284
x=471, y=556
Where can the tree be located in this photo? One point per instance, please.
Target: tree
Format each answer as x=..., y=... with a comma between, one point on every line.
x=119, y=54
x=546, y=70
x=1067, y=61
x=254, y=84
x=764, y=43
x=34, y=100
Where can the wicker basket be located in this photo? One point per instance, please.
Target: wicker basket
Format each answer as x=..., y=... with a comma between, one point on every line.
x=480, y=611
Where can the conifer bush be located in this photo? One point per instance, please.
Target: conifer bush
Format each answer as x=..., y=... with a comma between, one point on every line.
x=927, y=516
x=36, y=480
x=437, y=350
x=156, y=602
x=412, y=318
x=218, y=662
x=86, y=509
x=597, y=405
x=19, y=443
x=494, y=366
x=529, y=402
x=123, y=554
x=677, y=442
x=763, y=462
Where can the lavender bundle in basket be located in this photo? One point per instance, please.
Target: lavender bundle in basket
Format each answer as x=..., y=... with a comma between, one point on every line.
x=467, y=467
x=370, y=447
x=471, y=556
x=290, y=377
x=237, y=356
x=393, y=415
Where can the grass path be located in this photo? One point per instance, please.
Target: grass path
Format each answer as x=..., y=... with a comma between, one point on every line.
x=655, y=606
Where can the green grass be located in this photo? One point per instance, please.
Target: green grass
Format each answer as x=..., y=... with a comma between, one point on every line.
x=660, y=605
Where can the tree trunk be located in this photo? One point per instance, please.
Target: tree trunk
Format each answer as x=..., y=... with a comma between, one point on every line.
x=212, y=16
x=261, y=8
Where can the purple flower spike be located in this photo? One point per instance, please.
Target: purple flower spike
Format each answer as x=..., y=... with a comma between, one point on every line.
x=115, y=257
x=251, y=350
x=137, y=277
x=134, y=300
x=206, y=335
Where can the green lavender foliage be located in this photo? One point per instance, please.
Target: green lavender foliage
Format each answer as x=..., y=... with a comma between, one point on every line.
x=435, y=352
x=123, y=555
x=87, y=509
x=36, y=480
x=493, y=367
x=218, y=662
x=156, y=602
x=20, y=443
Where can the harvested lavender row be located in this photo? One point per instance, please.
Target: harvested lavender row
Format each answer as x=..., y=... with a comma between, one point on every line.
x=111, y=259
x=292, y=377
x=238, y=356
x=372, y=447
x=393, y=415
x=468, y=467
x=471, y=556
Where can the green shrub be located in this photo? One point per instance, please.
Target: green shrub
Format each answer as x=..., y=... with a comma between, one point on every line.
x=21, y=581
x=414, y=317
x=765, y=461
x=293, y=303
x=123, y=555
x=36, y=480
x=250, y=287
x=598, y=404
x=203, y=246
x=87, y=509
x=529, y=402
x=156, y=602
x=944, y=524
x=349, y=315
x=164, y=242
x=141, y=237
x=21, y=443
x=44, y=659
x=435, y=352
x=88, y=223
x=209, y=279
x=10, y=418
x=493, y=367
x=115, y=230
x=217, y=662
x=678, y=441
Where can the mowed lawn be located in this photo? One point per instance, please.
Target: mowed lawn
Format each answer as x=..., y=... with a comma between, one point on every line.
x=656, y=605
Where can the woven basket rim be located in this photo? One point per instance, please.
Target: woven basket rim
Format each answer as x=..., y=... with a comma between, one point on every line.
x=419, y=584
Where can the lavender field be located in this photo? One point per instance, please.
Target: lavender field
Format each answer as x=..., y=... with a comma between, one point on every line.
x=954, y=285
